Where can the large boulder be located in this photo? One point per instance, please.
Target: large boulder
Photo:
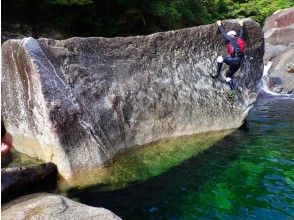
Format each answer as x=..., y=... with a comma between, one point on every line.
x=281, y=18
x=279, y=46
x=52, y=207
x=80, y=101
x=282, y=71
x=16, y=181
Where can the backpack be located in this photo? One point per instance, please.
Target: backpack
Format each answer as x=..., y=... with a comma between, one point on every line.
x=236, y=48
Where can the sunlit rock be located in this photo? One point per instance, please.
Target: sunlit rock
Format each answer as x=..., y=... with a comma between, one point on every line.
x=80, y=101
x=51, y=207
x=279, y=50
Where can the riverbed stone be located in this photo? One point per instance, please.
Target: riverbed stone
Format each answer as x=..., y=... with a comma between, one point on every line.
x=17, y=180
x=80, y=101
x=51, y=207
x=279, y=50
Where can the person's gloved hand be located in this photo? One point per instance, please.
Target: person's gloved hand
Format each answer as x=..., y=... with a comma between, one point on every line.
x=220, y=59
x=219, y=22
x=228, y=79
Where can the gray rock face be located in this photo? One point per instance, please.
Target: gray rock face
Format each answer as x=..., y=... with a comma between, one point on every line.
x=52, y=207
x=78, y=102
x=281, y=18
x=279, y=49
x=281, y=69
x=16, y=180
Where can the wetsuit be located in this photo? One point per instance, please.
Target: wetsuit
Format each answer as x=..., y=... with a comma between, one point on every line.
x=236, y=46
x=3, y=130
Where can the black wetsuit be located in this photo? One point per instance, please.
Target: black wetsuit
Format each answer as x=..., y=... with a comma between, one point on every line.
x=236, y=57
x=3, y=130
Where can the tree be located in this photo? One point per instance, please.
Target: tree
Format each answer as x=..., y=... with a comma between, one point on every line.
x=70, y=2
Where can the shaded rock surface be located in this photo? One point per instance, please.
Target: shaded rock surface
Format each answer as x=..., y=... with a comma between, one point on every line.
x=279, y=49
x=22, y=180
x=80, y=101
x=50, y=206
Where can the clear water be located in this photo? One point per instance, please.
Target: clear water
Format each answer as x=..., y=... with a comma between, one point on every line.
x=144, y=163
x=247, y=175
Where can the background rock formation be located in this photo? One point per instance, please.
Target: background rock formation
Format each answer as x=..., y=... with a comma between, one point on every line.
x=279, y=49
x=77, y=102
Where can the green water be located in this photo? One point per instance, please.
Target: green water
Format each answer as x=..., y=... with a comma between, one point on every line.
x=145, y=162
x=16, y=159
x=247, y=175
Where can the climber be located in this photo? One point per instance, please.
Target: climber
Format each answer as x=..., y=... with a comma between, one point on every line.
x=5, y=140
x=236, y=48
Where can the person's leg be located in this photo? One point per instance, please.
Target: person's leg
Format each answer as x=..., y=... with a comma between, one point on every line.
x=220, y=61
x=232, y=70
x=234, y=65
x=231, y=61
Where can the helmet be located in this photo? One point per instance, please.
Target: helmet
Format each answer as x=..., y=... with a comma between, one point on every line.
x=230, y=33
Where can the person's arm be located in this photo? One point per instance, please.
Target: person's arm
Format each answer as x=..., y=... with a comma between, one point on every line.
x=241, y=33
x=222, y=30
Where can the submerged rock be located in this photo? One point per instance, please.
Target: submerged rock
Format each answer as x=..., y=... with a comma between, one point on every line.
x=279, y=49
x=22, y=180
x=80, y=101
x=144, y=163
x=50, y=206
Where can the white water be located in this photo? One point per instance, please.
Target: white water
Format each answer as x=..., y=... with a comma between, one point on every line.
x=264, y=81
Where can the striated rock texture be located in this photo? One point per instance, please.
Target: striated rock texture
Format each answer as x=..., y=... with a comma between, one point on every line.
x=78, y=102
x=50, y=207
x=279, y=50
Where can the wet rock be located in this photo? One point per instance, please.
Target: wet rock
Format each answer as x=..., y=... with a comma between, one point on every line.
x=50, y=206
x=80, y=101
x=279, y=49
x=274, y=82
x=16, y=181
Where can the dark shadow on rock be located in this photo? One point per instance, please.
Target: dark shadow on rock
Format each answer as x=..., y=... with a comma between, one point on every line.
x=6, y=159
x=19, y=181
x=274, y=81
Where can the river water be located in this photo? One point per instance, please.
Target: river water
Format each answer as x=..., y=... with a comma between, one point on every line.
x=247, y=175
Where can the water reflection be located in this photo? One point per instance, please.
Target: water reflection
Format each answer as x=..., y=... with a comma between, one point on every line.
x=146, y=162
x=247, y=175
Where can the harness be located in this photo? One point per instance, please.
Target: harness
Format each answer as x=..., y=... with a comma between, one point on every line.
x=236, y=47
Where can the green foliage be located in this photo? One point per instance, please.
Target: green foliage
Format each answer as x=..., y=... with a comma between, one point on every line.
x=257, y=9
x=70, y=2
x=130, y=17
